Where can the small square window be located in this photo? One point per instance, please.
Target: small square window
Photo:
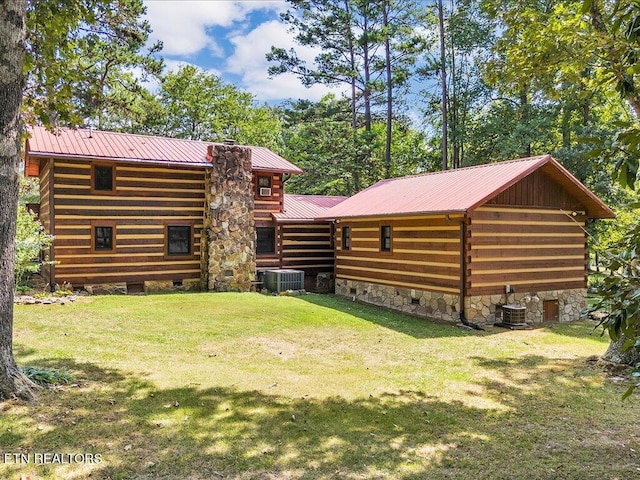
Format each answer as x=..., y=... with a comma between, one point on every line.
x=346, y=238
x=103, y=238
x=264, y=182
x=179, y=239
x=385, y=238
x=103, y=178
x=266, y=240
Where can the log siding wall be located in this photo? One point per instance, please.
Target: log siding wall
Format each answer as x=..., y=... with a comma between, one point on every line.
x=146, y=199
x=307, y=246
x=45, y=212
x=264, y=207
x=530, y=249
x=425, y=253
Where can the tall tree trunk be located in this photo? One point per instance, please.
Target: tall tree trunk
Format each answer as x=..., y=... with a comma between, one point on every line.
x=443, y=79
x=615, y=354
x=524, y=113
x=366, y=60
x=354, y=111
x=367, y=70
x=12, y=52
x=586, y=112
x=387, y=54
x=454, y=110
x=567, y=110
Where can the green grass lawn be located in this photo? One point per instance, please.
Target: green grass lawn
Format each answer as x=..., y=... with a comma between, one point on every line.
x=245, y=386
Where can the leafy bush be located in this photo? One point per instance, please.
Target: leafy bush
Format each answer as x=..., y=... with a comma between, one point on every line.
x=31, y=240
x=620, y=296
x=47, y=376
x=595, y=282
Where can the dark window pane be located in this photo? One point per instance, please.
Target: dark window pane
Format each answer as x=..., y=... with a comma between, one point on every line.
x=385, y=238
x=103, y=238
x=266, y=239
x=346, y=238
x=103, y=178
x=264, y=182
x=179, y=239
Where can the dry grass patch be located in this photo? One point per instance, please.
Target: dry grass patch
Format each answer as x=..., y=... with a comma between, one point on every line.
x=243, y=386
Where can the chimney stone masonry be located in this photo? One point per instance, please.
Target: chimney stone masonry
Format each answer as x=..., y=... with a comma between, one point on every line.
x=230, y=260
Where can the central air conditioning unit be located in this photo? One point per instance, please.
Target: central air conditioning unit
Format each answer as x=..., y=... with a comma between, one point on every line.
x=281, y=280
x=514, y=314
x=265, y=191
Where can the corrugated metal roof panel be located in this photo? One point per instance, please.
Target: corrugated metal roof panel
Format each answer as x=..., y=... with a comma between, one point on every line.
x=306, y=207
x=458, y=190
x=113, y=146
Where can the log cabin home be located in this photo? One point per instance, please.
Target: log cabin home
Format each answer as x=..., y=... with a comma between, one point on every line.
x=470, y=243
x=136, y=212
x=307, y=244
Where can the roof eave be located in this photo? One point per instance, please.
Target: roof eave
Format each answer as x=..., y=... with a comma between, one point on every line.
x=458, y=212
x=295, y=171
x=299, y=220
x=95, y=158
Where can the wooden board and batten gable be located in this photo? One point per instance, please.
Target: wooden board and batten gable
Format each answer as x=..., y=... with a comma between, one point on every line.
x=130, y=209
x=453, y=243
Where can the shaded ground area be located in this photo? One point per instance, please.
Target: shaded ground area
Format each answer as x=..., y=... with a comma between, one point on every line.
x=517, y=415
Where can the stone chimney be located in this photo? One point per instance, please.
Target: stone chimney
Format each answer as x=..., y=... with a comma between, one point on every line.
x=230, y=260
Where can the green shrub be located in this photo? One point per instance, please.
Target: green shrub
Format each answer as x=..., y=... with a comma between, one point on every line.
x=31, y=240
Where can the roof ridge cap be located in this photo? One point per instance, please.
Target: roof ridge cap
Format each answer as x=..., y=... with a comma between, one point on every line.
x=470, y=167
x=139, y=135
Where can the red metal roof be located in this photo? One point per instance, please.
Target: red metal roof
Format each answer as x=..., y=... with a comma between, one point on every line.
x=113, y=146
x=459, y=190
x=306, y=207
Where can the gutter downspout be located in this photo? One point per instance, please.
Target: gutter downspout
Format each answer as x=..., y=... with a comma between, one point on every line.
x=463, y=274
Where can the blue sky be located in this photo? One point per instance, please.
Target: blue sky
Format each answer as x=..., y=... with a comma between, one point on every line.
x=230, y=39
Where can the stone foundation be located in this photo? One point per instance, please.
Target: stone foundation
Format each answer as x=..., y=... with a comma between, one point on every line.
x=571, y=305
x=187, y=285
x=229, y=247
x=107, y=288
x=325, y=283
x=478, y=309
x=441, y=306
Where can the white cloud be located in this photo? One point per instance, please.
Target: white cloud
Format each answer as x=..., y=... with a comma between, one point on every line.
x=249, y=62
x=182, y=25
x=175, y=65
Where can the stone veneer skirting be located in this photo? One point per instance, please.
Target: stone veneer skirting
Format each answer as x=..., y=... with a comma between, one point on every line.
x=478, y=309
x=571, y=305
x=442, y=306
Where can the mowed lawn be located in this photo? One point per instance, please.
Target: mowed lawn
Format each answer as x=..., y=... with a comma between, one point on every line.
x=246, y=386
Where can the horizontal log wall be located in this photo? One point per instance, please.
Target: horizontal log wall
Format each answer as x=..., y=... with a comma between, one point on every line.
x=146, y=199
x=307, y=246
x=529, y=249
x=45, y=211
x=425, y=253
x=265, y=206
